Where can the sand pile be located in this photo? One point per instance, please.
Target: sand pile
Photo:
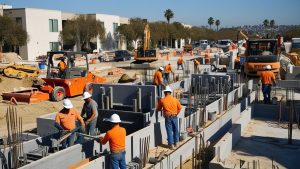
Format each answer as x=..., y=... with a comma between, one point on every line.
x=11, y=57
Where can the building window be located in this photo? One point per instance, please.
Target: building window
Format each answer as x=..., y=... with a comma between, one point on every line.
x=115, y=27
x=54, y=46
x=19, y=20
x=53, y=25
x=102, y=24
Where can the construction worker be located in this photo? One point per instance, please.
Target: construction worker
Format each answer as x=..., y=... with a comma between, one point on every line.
x=171, y=108
x=180, y=63
x=65, y=121
x=168, y=70
x=116, y=137
x=267, y=79
x=158, y=80
x=196, y=66
x=62, y=67
x=90, y=110
x=237, y=63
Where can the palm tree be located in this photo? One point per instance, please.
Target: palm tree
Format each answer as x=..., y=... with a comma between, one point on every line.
x=218, y=22
x=266, y=22
x=210, y=21
x=169, y=14
x=272, y=23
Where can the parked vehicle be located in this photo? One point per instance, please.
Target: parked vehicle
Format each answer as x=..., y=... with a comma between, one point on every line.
x=203, y=41
x=122, y=55
x=224, y=44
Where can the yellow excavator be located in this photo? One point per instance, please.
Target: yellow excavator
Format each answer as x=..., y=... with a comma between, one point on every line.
x=144, y=53
x=21, y=71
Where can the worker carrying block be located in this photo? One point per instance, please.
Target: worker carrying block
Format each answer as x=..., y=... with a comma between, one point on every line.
x=65, y=122
x=90, y=111
x=116, y=137
x=267, y=78
x=171, y=108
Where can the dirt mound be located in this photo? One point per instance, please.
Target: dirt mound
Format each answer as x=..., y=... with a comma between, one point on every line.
x=8, y=84
x=11, y=57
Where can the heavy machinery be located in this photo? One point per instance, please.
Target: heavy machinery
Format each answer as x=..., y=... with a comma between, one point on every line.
x=144, y=53
x=21, y=71
x=258, y=54
x=75, y=79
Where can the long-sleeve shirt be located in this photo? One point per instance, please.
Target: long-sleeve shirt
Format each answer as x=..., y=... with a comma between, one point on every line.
x=170, y=106
x=116, y=137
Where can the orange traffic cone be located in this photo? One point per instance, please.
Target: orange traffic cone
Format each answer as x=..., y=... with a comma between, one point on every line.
x=168, y=57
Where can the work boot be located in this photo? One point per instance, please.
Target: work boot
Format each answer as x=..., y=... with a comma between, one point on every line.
x=171, y=147
x=175, y=145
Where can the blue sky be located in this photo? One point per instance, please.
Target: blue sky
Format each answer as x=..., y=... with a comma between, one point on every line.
x=194, y=12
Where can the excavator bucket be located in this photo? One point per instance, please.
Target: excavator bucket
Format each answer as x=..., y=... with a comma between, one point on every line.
x=26, y=96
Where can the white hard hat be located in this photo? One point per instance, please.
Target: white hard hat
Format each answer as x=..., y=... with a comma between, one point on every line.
x=86, y=95
x=268, y=67
x=161, y=68
x=114, y=118
x=67, y=104
x=168, y=89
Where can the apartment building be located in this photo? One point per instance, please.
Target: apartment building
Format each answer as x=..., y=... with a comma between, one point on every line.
x=44, y=26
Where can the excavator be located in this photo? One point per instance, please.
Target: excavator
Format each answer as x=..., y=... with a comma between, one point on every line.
x=21, y=71
x=144, y=53
x=72, y=81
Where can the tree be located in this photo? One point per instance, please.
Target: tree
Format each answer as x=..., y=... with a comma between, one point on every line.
x=272, y=23
x=81, y=30
x=218, y=22
x=210, y=21
x=168, y=15
x=266, y=23
x=11, y=34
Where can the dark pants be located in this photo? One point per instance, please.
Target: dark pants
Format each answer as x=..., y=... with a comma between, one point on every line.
x=159, y=90
x=167, y=78
x=196, y=69
x=266, y=90
x=171, y=124
x=179, y=65
x=69, y=141
x=117, y=160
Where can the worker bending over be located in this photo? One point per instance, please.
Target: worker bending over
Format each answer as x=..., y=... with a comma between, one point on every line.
x=116, y=137
x=196, y=66
x=267, y=79
x=168, y=70
x=65, y=121
x=171, y=108
x=180, y=63
x=62, y=66
x=90, y=111
x=158, y=80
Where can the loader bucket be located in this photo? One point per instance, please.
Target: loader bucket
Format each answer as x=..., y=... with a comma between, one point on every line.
x=26, y=96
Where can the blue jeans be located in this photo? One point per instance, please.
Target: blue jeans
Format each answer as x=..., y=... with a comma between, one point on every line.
x=167, y=78
x=159, y=90
x=69, y=141
x=266, y=89
x=91, y=127
x=171, y=124
x=118, y=160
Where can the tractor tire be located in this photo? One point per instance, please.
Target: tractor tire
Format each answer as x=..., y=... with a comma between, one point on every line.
x=58, y=94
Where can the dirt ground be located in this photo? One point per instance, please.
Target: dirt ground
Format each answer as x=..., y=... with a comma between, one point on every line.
x=29, y=112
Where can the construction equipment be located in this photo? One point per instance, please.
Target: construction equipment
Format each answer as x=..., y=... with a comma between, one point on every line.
x=75, y=79
x=187, y=48
x=258, y=54
x=144, y=53
x=21, y=71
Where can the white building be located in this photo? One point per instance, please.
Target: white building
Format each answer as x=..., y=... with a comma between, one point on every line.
x=43, y=27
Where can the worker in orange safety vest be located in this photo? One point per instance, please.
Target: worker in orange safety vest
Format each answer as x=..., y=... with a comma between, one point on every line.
x=116, y=137
x=180, y=63
x=158, y=80
x=171, y=107
x=267, y=78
